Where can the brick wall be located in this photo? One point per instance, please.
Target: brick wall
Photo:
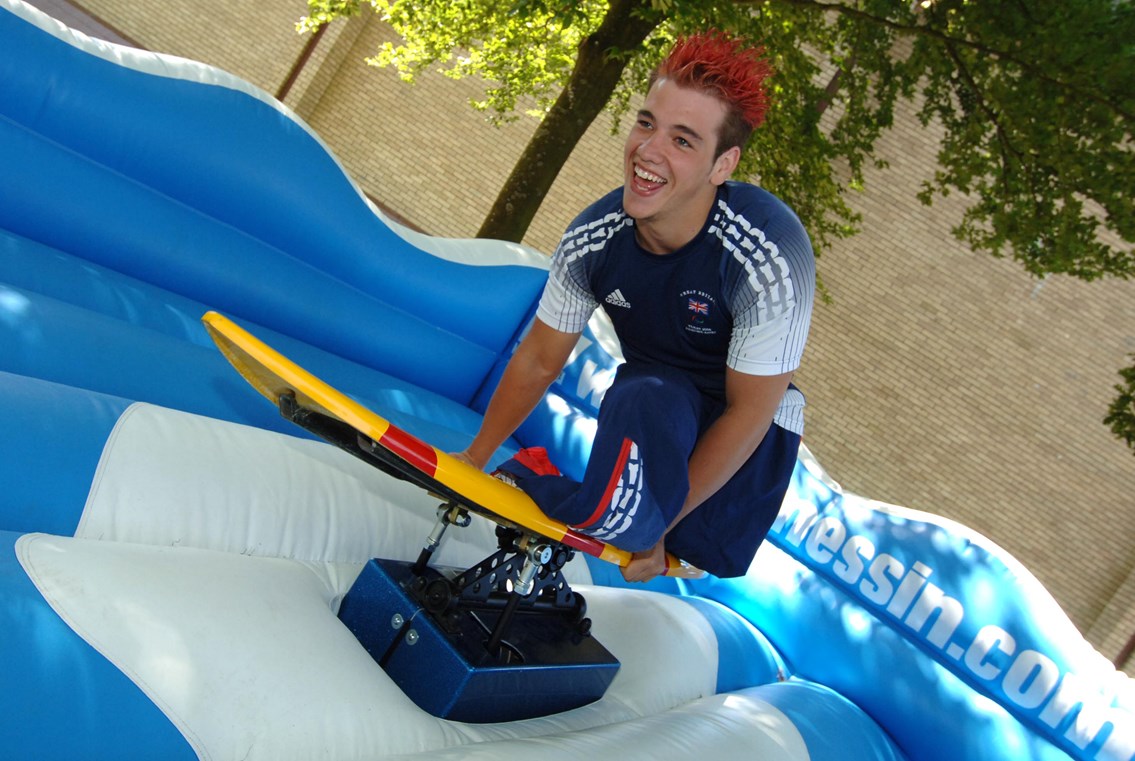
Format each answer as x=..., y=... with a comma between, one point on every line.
x=430, y=157
x=255, y=41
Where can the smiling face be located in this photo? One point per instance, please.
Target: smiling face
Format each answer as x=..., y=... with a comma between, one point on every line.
x=671, y=174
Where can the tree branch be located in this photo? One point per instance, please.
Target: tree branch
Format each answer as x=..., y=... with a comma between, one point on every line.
x=994, y=117
x=929, y=31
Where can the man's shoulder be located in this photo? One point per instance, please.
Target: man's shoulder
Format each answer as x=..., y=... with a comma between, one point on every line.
x=755, y=205
x=753, y=218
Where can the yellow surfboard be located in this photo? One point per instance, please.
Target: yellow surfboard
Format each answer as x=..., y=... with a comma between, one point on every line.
x=278, y=378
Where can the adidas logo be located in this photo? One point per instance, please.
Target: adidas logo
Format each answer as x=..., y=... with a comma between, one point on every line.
x=615, y=298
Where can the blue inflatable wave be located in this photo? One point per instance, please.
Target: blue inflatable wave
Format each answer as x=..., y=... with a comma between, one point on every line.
x=140, y=191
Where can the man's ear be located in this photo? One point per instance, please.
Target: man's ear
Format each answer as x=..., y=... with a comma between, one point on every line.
x=724, y=165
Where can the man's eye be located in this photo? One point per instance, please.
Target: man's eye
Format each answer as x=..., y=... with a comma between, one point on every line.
x=644, y=124
x=683, y=142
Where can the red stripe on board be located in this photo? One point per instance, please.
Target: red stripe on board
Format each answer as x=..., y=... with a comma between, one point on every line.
x=411, y=449
x=583, y=543
x=605, y=500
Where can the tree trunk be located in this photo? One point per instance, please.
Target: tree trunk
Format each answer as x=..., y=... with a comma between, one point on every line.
x=593, y=80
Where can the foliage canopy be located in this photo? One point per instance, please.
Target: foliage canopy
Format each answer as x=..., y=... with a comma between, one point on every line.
x=1036, y=99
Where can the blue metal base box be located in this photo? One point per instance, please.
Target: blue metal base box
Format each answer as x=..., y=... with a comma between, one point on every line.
x=545, y=664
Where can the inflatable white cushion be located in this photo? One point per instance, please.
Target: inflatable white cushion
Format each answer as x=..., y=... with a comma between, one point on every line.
x=209, y=565
x=169, y=478
x=246, y=656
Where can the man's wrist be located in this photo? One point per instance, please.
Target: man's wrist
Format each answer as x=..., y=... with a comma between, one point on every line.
x=479, y=454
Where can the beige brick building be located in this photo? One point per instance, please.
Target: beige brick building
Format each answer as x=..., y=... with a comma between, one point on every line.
x=938, y=379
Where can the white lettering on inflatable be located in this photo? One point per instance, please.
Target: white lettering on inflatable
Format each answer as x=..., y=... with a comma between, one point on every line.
x=1069, y=694
x=798, y=520
x=948, y=614
x=877, y=587
x=1031, y=679
x=1091, y=719
x=1095, y=719
x=582, y=345
x=853, y=556
x=909, y=587
x=593, y=383
x=990, y=638
x=1120, y=744
x=825, y=538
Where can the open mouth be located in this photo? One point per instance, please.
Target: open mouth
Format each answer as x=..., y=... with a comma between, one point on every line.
x=647, y=181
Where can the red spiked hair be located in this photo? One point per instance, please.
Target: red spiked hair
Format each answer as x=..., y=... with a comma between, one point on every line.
x=727, y=68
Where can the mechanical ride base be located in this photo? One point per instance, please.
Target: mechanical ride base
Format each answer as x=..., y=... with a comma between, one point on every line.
x=505, y=639
x=439, y=650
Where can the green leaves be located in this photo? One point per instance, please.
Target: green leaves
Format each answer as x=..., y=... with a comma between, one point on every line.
x=524, y=50
x=1036, y=99
x=320, y=12
x=1121, y=412
x=1037, y=104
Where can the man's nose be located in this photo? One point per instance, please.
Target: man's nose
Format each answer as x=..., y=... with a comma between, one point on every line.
x=648, y=148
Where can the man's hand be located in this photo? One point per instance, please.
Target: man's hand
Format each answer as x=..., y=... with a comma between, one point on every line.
x=537, y=362
x=645, y=565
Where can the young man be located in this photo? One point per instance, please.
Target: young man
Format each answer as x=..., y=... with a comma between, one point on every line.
x=709, y=285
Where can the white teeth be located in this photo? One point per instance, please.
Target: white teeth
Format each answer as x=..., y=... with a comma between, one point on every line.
x=640, y=172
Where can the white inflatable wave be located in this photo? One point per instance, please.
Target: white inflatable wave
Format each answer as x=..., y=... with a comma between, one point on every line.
x=173, y=553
